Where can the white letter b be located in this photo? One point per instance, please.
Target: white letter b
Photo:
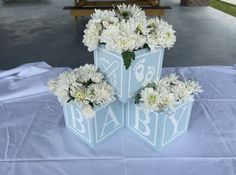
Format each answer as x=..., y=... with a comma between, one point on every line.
x=144, y=122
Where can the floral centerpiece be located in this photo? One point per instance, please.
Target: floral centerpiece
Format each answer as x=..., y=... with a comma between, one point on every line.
x=166, y=93
x=85, y=86
x=161, y=111
x=127, y=30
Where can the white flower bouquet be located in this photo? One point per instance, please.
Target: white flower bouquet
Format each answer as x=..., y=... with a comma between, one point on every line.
x=85, y=86
x=165, y=94
x=127, y=30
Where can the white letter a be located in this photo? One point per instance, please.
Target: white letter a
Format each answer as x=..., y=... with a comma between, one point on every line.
x=107, y=122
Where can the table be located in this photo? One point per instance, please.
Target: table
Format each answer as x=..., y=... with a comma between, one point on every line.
x=86, y=7
x=34, y=140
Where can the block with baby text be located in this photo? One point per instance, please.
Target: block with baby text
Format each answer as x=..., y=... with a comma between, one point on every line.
x=107, y=121
x=155, y=128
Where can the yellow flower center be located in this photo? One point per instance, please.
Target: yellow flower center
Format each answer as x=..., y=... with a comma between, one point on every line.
x=152, y=99
x=167, y=35
x=80, y=95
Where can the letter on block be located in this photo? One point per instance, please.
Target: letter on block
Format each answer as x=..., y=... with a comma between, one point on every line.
x=158, y=129
x=145, y=68
x=107, y=121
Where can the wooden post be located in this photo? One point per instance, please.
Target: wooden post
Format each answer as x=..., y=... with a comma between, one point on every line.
x=76, y=17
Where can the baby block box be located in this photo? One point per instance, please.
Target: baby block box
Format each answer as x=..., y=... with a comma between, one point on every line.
x=145, y=68
x=158, y=129
x=106, y=122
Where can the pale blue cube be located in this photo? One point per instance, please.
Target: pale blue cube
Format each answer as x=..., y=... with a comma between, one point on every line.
x=106, y=122
x=158, y=129
x=145, y=68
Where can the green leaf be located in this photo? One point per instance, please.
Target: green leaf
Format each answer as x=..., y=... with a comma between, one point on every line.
x=86, y=84
x=146, y=46
x=137, y=99
x=71, y=98
x=128, y=57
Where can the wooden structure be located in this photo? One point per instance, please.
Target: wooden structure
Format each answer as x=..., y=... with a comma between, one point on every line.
x=85, y=8
x=194, y=3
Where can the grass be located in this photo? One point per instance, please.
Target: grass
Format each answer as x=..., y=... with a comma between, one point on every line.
x=224, y=7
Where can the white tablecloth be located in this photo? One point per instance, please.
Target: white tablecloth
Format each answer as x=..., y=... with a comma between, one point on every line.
x=34, y=140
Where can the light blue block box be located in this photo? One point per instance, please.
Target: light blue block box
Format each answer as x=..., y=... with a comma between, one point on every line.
x=158, y=129
x=107, y=121
x=145, y=68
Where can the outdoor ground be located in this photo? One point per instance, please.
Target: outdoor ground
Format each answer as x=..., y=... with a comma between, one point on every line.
x=42, y=31
x=224, y=7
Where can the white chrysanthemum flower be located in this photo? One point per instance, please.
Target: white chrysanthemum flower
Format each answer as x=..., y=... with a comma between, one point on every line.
x=86, y=68
x=85, y=86
x=97, y=78
x=109, y=35
x=74, y=87
x=52, y=85
x=61, y=91
x=67, y=78
x=138, y=26
x=130, y=11
x=193, y=87
x=88, y=72
x=161, y=34
x=181, y=92
x=117, y=39
x=91, y=36
x=185, y=90
x=166, y=93
x=133, y=31
x=123, y=37
x=152, y=41
x=102, y=93
x=87, y=112
x=81, y=95
x=149, y=98
x=104, y=16
x=60, y=86
x=172, y=78
x=124, y=44
x=139, y=41
x=166, y=101
x=127, y=30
